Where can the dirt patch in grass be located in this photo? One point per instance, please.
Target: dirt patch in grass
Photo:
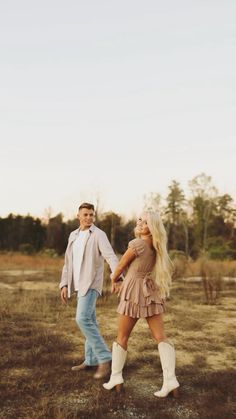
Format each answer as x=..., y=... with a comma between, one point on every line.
x=40, y=342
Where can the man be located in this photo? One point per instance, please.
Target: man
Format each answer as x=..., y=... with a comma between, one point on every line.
x=82, y=272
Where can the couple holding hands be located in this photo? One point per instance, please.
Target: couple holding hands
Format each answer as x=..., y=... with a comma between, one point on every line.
x=142, y=293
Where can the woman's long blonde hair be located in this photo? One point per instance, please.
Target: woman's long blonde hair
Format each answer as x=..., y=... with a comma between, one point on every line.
x=163, y=268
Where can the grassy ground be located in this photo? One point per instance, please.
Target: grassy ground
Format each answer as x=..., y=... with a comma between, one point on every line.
x=40, y=342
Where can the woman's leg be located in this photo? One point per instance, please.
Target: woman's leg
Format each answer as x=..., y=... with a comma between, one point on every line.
x=125, y=327
x=119, y=352
x=167, y=355
x=156, y=325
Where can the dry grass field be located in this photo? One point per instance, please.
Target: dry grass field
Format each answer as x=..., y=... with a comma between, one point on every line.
x=40, y=342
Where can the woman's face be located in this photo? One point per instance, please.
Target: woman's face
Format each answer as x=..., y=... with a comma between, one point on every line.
x=141, y=226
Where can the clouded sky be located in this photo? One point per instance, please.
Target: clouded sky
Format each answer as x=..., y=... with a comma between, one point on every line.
x=114, y=98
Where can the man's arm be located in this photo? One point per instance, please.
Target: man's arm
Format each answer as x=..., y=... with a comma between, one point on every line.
x=64, y=279
x=107, y=251
x=64, y=285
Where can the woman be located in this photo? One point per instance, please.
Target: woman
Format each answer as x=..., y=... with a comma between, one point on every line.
x=142, y=295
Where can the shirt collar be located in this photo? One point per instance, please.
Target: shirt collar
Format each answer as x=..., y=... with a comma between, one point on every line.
x=90, y=229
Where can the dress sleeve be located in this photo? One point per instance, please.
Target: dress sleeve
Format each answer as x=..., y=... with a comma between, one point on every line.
x=137, y=245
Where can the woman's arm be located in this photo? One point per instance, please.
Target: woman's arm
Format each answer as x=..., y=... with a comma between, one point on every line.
x=127, y=257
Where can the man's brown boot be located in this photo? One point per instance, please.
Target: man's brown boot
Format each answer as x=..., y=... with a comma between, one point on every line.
x=81, y=367
x=103, y=370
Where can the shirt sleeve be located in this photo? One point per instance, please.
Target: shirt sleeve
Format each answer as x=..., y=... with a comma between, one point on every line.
x=137, y=246
x=107, y=251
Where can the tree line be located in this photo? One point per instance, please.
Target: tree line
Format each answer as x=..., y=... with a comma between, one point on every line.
x=205, y=223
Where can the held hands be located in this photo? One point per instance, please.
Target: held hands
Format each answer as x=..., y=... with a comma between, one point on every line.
x=115, y=286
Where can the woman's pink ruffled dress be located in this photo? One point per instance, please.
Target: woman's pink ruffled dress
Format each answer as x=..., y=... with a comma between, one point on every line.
x=139, y=295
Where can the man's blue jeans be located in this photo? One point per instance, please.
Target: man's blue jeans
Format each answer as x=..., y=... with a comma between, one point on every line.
x=96, y=350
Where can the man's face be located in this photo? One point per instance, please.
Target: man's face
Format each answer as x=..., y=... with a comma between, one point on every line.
x=86, y=218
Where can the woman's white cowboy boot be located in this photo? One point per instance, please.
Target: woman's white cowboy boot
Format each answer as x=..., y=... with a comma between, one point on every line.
x=170, y=383
x=117, y=364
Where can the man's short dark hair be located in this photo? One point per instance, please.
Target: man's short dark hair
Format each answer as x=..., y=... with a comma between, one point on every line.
x=86, y=205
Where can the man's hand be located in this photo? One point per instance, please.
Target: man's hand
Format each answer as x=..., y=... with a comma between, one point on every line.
x=64, y=295
x=116, y=287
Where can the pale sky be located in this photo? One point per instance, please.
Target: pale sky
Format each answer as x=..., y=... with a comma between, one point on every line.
x=115, y=98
